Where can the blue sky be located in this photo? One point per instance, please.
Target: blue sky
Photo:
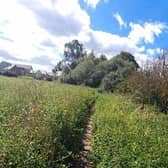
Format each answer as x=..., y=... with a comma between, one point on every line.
x=137, y=11
x=35, y=31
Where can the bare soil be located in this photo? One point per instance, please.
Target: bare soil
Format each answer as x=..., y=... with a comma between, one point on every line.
x=82, y=161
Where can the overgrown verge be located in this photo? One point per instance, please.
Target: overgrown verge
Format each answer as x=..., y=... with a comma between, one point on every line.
x=126, y=136
x=41, y=124
x=150, y=84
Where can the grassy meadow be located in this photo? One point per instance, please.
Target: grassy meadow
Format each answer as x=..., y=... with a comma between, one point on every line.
x=126, y=136
x=41, y=123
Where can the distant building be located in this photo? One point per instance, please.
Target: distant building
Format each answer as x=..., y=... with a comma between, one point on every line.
x=15, y=69
x=4, y=65
x=19, y=69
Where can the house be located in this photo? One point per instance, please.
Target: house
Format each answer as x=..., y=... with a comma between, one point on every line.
x=15, y=69
x=19, y=69
x=4, y=65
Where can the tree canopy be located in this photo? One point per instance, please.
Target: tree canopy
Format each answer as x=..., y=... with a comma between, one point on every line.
x=81, y=68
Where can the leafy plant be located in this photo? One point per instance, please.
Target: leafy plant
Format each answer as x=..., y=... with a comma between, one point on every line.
x=125, y=136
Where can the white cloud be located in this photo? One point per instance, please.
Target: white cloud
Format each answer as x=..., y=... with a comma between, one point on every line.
x=60, y=17
x=111, y=44
x=153, y=52
x=120, y=20
x=146, y=32
x=94, y=3
x=27, y=27
x=35, y=31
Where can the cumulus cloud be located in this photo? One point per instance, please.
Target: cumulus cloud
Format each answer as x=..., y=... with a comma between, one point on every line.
x=61, y=17
x=153, y=52
x=120, y=20
x=22, y=36
x=35, y=32
x=111, y=44
x=146, y=32
x=93, y=3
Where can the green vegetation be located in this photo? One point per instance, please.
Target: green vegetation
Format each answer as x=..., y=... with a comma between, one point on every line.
x=41, y=123
x=126, y=136
x=80, y=68
x=149, y=85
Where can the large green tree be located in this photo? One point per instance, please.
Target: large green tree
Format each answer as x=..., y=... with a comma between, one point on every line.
x=73, y=54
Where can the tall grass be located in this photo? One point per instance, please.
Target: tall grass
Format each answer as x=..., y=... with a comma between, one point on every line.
x=125, y=136
x=41, y=123
x=150, y=84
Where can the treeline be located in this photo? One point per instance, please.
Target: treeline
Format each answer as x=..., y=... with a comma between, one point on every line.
x=80, y=68
x=148, y=85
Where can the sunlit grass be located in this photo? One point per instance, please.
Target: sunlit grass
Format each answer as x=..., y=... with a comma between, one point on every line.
x=41, y=123
x=126, y=136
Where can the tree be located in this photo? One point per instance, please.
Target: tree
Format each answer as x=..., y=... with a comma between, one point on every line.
x=81, y=73
x=58, y=67
x=73, y=52
x=103, y=57
x=78, y=67
x=87, y=72
x=110, y=81
x=128, y=57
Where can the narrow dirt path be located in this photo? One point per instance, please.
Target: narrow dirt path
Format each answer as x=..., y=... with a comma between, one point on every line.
x=82, y=161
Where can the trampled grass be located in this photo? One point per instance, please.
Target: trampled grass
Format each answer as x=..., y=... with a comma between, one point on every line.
x=125, y=136
x=41, y=123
